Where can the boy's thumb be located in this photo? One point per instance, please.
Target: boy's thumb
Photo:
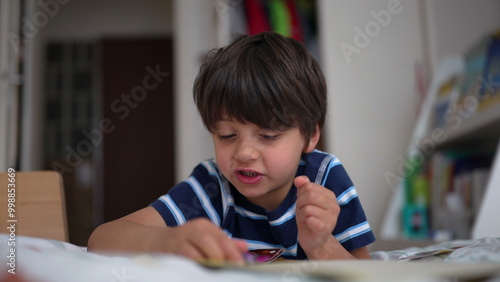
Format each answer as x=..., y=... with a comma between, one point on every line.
x=300, y=180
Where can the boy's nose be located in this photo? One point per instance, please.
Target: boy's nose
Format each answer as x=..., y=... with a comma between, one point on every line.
x=246, y=152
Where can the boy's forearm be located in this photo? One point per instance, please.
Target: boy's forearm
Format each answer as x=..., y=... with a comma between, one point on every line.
x=197, y=239
x=125, y=236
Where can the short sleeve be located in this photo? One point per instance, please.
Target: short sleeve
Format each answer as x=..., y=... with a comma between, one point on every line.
x=198, y=196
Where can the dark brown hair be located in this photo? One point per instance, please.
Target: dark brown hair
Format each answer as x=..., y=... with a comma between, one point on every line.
x=265, y=79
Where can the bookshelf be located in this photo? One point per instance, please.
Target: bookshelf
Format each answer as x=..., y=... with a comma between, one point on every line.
x=482, y=125
x=481, y=130
x=476, y=132
x=451, y=192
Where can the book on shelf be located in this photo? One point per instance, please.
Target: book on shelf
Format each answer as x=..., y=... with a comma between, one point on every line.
x=489, y=92
x=472, y=80
x=477, y=88
x=444, y=193
x=447, y=97
x=415, y=216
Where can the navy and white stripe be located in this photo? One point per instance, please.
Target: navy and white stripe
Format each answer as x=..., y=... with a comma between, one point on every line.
x=347, y=196
x=176, y=212
x=288, y=215
x=239, y=218
x=204, y=199
x=246, y=213
x=353, y=232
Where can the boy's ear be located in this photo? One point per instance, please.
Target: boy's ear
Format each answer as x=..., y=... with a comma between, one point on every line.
x=313, y=140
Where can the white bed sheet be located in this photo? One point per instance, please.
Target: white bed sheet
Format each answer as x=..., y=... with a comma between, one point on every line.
x=49, y=260
x=474, y=251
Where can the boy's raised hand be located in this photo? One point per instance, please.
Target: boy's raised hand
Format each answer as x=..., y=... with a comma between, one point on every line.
x=316, y=213
x=200, y=239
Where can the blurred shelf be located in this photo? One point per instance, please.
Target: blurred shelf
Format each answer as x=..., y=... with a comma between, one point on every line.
x=480, y=126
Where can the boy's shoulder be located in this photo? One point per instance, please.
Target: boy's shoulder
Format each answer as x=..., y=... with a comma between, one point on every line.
x=317, y=157
x=209, y=165
x=207, y=171
x=318, y=165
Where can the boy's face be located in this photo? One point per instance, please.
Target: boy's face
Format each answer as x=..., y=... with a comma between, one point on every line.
x=260, y=163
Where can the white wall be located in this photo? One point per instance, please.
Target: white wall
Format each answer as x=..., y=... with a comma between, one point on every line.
x=33, y=106
x=373, y=98
x=10, y=13
x=92, y=19
x=195, y=33
x=455, y=25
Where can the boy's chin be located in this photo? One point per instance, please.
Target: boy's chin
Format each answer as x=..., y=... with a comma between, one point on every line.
x=254, y=195
x=266, y=199
x=250, y=193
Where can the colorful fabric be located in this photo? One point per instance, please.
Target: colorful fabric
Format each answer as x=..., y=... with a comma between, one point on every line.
x=257, y=19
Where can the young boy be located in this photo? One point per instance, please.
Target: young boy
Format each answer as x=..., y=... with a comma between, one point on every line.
x=263, y=99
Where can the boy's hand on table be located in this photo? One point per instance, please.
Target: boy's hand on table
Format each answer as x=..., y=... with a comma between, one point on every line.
x=200, y=239
x=316, y=213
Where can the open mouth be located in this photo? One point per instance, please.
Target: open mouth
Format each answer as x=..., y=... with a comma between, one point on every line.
x=248, y=173
x=249, y=176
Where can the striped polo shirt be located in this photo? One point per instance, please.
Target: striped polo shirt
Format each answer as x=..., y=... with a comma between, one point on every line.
x=207, y=193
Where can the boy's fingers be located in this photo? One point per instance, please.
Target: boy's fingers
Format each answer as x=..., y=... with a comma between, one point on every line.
x=299, y=181
x=208, y=246
x=204, y=240
x=240, y=244
x=315, y=224
x=218, y=250
x=311, y=216
x=234, y=250
x=190, y=251
x=319, y=198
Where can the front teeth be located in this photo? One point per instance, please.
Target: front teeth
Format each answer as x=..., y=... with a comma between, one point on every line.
x=249, y=173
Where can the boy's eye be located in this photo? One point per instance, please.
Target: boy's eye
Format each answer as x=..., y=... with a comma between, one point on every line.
x=226, y=137
x=269, y=137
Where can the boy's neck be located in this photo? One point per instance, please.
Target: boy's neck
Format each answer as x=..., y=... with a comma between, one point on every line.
x=272, y=200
